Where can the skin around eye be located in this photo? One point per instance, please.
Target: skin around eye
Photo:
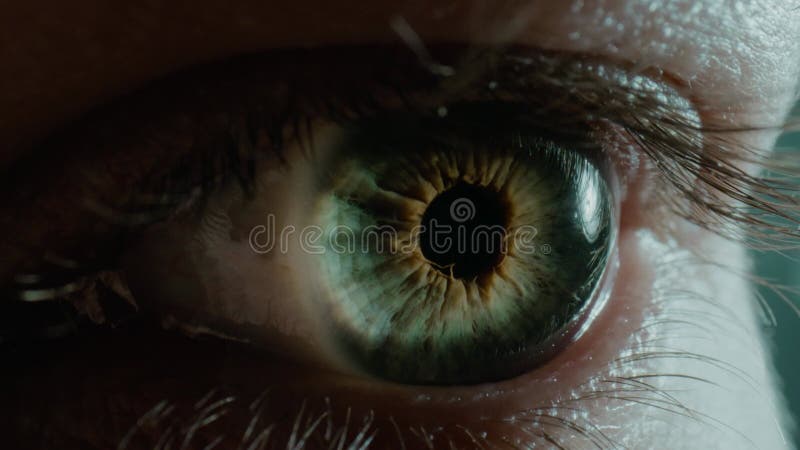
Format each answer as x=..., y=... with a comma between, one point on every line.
x=413, y=288
x=676, y=359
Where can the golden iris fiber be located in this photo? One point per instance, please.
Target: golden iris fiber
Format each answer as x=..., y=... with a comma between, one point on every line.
x=398, y=311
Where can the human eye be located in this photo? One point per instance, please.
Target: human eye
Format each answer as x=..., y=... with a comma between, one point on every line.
x=368, y=246
x=469, y=231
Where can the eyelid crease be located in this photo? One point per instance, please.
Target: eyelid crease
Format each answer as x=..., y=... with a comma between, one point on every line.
x=561, y=90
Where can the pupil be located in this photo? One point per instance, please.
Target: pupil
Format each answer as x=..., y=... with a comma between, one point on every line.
x=464, y=231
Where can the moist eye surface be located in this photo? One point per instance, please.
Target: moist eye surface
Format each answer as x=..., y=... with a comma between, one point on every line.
x=479, y=244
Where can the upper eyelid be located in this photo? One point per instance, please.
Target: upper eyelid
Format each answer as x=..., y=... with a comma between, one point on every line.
x=532, y=74
x=521, y=70
x=506, y=59
x=249, y=35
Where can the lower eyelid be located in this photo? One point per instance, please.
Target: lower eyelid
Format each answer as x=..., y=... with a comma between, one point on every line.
x=595, y=383
x=489, y=413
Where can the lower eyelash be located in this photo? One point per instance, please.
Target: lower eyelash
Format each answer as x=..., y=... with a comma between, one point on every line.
x=567, y=423
x=53, y=309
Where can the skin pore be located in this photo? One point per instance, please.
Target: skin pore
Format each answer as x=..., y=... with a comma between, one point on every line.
x=675, y=360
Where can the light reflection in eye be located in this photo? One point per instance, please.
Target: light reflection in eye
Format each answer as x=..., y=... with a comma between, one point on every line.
x=590, y=204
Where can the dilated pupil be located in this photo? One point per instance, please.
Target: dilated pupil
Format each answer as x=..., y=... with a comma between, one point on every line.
x=463, y=230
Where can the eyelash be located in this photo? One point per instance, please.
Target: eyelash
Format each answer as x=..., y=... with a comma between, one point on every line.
x=685, y=154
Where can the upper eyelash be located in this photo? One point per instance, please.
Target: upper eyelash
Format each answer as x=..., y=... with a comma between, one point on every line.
x=702, y=163
x=719, y=194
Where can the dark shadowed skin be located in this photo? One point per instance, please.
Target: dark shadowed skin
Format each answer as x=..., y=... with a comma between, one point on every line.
x=675, y=357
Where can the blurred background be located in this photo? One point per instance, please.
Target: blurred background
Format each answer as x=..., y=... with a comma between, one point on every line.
x=784, y=269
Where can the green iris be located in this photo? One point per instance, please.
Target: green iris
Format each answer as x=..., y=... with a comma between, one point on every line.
x=460, y=249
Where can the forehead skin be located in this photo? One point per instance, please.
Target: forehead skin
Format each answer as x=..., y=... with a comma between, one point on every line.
x=62, y=58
